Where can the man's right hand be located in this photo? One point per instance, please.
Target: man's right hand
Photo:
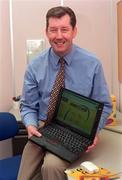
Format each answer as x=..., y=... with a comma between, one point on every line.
x=32, y=130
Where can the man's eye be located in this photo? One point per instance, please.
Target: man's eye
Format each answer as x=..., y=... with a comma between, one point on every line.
x=64, y=30
x=53, y=30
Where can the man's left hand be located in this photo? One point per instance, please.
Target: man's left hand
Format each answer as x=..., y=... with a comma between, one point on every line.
x=94, y=144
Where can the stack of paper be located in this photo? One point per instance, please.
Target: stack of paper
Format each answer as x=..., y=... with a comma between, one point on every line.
x=79, y=174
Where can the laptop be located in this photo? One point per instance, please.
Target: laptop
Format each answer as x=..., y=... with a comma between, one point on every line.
x=73, y=127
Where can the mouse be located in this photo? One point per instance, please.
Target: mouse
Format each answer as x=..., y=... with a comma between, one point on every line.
x=89, y=167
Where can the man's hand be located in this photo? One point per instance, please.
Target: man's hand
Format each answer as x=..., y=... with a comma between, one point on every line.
x=32, y=130
x=93, y=145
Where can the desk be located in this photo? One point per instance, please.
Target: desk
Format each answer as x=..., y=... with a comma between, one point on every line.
x=107, y=153
x=118, y=127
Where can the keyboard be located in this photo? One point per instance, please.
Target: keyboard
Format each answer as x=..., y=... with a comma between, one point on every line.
x=72, y=141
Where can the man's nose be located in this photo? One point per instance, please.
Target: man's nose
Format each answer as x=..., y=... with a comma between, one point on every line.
x=59, y=34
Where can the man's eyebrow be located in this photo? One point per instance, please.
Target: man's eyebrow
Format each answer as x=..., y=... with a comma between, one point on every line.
x=63, y=27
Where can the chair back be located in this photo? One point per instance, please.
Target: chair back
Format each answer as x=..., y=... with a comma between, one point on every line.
x=8, y=125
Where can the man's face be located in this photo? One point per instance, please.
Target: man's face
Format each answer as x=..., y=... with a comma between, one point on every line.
x=60, y=34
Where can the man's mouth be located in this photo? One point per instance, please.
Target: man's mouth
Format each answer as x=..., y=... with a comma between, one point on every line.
x=59, y=43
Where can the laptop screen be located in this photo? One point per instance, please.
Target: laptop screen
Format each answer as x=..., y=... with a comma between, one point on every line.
x=77, y=111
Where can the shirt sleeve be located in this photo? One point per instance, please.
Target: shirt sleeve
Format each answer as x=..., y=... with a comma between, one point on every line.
x=30, y=99
x=100, y=92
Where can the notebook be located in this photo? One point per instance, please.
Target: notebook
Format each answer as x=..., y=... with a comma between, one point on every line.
x=73, y=127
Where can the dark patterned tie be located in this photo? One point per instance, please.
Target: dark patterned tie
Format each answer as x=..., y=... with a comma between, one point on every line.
x=59, y=83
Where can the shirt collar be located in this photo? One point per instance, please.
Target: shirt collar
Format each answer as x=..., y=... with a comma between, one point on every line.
x=67, y=57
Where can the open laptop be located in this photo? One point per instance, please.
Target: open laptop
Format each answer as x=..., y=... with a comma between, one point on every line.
x=73, y=127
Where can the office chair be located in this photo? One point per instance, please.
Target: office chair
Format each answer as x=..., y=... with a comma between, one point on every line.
x=8, y=128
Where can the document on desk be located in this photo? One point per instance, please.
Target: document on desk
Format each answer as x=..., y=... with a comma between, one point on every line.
x=79, y=174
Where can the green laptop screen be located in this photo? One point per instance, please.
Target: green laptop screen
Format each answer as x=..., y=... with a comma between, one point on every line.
x=77, y=111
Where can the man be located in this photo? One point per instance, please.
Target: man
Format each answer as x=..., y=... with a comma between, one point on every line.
x=83, y=74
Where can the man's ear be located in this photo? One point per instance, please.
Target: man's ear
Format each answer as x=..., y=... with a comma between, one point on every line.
x=46, y=31
x=74, y=31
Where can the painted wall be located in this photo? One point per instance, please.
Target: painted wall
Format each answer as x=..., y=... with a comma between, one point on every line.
x=5, y=58
x=5, y=71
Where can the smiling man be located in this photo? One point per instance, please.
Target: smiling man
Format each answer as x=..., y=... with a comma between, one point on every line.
x=83, y=74
x=60, y=33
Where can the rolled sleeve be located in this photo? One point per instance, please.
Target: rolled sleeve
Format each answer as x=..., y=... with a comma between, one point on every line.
x=30, y=119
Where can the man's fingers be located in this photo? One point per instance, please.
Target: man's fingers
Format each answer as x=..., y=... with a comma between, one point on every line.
x=90, y=148
x=93, y=145
x=38, y=134
x=33, y=131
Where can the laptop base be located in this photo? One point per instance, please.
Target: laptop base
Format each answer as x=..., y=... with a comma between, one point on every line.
x=55, y=148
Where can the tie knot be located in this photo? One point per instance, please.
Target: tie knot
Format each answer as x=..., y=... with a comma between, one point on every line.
x=62, y=61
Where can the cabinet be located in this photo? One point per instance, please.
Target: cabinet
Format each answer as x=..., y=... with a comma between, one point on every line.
x=20, y=140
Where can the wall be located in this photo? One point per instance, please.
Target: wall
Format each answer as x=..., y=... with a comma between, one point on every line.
x=119, y=20
x=5, y=58
x=5, y=70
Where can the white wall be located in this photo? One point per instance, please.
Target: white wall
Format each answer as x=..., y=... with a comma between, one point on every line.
x=5, y=71
x=5, y=58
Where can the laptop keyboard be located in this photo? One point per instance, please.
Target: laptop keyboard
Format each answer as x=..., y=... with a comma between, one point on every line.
x=73, y=142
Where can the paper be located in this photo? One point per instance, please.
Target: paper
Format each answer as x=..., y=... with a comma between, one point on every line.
x=79, y=174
